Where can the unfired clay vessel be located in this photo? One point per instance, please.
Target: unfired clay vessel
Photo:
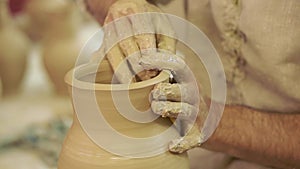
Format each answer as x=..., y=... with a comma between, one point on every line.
x=36, y=16
x=14, y=48
x=79, y=151
x=60, y=43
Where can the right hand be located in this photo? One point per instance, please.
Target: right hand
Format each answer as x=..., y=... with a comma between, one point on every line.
x=178, y=100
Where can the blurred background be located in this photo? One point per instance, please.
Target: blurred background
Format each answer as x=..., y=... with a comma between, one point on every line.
x=39, y=42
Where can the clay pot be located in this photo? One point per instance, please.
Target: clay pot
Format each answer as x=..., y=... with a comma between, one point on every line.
x=39, y=14
x=60, y=43
x=14, y=49
x=35, y=20
x=59, y=57
x=80, y=151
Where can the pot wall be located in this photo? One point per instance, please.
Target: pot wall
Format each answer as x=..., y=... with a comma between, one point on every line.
x=79, y=151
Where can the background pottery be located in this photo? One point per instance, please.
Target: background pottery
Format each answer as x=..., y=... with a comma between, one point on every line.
x=60, y=41
x=14, y=48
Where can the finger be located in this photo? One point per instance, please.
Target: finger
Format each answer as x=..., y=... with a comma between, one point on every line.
x=129, y=47
x=145, y=38
x=98, y=55
x=146, y=75
x=167, y=61
x=144, y=31
x=115, y=36
x=146, y=42
x=174, y=109
x=114, y=53
x=125, y=35
x=119, y=65
x=191, y=140
x=115, y=59
x=164, y=32
x=166, y=43
x=165, y=35
x=162, y=61
x=175, y=92
x=109, y=36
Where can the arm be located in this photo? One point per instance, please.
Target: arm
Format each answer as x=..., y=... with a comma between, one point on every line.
x=267, y=138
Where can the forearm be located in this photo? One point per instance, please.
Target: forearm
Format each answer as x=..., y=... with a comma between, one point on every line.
x=267, y=138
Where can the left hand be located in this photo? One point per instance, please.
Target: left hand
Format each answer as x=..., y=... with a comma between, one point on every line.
x=130, y=27
x=178, y=100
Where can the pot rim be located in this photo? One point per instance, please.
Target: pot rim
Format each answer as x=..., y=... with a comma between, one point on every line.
x=88, y=69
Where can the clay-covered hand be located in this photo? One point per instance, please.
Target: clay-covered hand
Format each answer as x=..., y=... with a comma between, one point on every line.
x=178, y=100
x=131, y=27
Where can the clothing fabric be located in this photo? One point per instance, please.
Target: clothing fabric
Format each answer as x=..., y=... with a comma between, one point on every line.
x=258, y=43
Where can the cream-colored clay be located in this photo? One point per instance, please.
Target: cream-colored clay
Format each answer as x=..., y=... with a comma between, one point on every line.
x=14, y=49
x=60, y=43
x=173, y=109
x=135, y=34
x=79, y=151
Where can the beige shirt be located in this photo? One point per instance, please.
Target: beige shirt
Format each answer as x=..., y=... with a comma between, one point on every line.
x=259, y=45
x=258, y=42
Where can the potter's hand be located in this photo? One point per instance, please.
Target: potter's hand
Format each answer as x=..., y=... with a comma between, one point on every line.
x=135, y=29
x=178, y=100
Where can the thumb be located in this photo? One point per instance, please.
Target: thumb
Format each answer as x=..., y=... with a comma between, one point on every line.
x=189, y=141
x=167, y=61
x=162, y=61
